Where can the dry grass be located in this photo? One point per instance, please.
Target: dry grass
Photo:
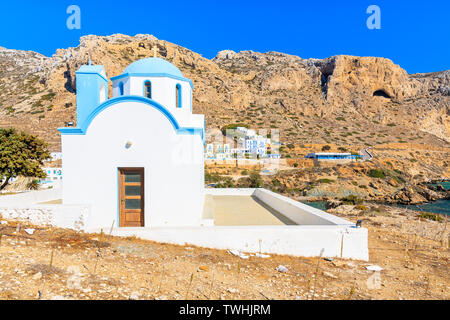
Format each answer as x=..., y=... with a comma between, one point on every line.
x=415, y=267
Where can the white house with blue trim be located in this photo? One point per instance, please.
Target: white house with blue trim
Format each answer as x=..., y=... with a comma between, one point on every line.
x=137, y=158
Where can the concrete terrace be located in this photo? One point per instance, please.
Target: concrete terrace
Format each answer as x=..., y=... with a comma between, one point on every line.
x=245, y=211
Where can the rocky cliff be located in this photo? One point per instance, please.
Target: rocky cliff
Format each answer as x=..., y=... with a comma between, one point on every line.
x=344, y=100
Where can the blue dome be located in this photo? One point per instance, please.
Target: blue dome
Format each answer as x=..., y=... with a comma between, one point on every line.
x=153, y=65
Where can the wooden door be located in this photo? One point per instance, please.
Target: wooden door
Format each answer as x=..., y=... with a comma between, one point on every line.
x=131, y=197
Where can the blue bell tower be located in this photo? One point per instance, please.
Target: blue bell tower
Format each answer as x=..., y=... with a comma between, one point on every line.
x=92, y=90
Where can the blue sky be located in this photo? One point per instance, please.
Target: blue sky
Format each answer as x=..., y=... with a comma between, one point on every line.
x=414, y=34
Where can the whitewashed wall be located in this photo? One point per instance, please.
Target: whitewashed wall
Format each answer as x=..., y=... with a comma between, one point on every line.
x=173, y=166
x=296, y=211
x=163, y=92
x=307, y=241
x=63, y=216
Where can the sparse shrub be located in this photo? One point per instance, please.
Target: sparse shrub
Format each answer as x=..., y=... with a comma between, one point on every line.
x=33, y=184
x=48, y=96
x=227, y=182
x=361, y=207
x=276, y=182
x=255, y=180
x=430, y=216
x=325, y=180
x=351, y=199
x=326, y=148
x=376, y=173
x=378, y=211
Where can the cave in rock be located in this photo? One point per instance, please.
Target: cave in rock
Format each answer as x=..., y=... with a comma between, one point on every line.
x=381, y=93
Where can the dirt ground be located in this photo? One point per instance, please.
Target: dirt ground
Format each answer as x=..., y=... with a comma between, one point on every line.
x=55, y=263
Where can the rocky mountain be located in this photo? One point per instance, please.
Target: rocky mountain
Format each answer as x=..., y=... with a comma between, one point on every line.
x=343, y=100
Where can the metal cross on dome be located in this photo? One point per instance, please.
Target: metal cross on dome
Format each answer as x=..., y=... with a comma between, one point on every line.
x=154, y=51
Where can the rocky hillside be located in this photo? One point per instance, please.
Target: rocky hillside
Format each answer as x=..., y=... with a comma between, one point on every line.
x=344, y=100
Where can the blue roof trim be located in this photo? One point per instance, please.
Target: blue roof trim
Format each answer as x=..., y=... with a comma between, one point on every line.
x=168, y=75
x=82, y=128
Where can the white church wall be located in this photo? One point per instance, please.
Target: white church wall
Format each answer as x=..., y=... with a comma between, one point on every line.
x=163, y=92
x=173, y=176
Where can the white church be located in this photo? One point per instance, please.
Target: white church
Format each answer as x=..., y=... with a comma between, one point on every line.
x=134, y=164
x=146, y=167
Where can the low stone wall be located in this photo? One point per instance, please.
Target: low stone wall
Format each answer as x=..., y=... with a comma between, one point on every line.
x=25, y=206
x=317, y=231
x=298, y=212
x=307, y=241
x=57, y=215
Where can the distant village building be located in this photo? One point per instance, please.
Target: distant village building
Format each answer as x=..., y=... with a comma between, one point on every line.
x=248, y=144
x=136, y=159
x=332, y=156
x=53, y=174
x=218, y=151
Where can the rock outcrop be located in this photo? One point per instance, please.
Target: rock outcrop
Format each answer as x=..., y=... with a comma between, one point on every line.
x=344, y=100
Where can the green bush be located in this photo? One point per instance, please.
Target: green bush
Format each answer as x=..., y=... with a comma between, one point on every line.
x=227, y=183
x=351, y=199
x=276, y=182
x=376, y=173
x=325, y=180
x=255, y=180
x=48, y=96
x=430, y=216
